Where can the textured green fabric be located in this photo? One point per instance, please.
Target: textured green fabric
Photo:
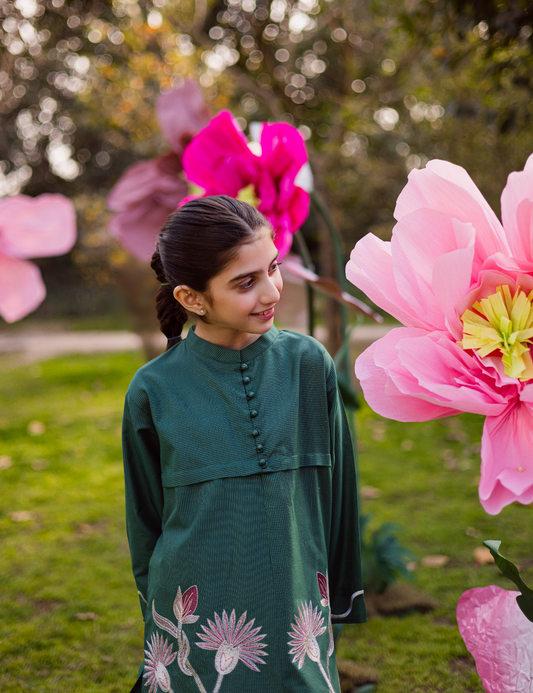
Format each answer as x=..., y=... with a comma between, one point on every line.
x=241, y=488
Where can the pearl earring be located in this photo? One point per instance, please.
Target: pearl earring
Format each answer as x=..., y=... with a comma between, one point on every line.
x=202, y=311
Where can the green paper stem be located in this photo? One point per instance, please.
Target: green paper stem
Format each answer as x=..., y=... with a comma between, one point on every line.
x=524, y=600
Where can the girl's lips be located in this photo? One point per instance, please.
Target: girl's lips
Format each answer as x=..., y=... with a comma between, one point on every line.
x=265, y=315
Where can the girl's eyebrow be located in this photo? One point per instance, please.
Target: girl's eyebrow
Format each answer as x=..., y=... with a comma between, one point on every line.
x=247, y=274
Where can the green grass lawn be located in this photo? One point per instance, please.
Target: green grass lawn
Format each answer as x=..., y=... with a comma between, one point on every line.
x=70, y=619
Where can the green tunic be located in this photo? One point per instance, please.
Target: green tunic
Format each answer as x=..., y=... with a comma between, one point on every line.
x=242, y=516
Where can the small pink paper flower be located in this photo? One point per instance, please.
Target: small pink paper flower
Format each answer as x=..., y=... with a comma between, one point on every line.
x=149, y=191
x=220, y=161
x=158, y=656
x=233, y=642
x=499, y=637
x=30, y=227
x=462, y=284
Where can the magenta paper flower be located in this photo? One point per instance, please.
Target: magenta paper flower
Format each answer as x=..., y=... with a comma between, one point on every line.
x=462, y=284
x=30, y=227
x=499, y=637
x=220, y=161
x=233, y=642
x=149, y=191
x=158, y=656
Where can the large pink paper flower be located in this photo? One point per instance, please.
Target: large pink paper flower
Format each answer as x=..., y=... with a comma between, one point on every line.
x=462, y=284
x=30, y=227
x=499, y=637
x=148, y=191
x=220, y=161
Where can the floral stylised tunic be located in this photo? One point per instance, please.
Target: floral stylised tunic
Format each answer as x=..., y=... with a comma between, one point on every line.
x=242, y=516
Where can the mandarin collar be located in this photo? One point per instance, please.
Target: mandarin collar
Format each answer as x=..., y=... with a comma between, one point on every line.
x=225, y=355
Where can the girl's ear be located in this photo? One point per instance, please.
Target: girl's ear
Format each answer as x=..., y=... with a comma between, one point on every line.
x=189, y=299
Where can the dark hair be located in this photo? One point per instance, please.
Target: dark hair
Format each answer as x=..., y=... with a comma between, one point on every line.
x=195, y=244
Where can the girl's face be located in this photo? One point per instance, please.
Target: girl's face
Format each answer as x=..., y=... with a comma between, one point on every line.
x=239, y=306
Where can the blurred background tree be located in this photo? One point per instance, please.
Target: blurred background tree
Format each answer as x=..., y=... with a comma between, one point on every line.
x=376, y=87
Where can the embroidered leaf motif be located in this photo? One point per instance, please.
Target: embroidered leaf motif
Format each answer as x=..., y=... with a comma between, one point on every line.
x=323, y=586
x=164, y=623
x=183, y=655
x=185, y=605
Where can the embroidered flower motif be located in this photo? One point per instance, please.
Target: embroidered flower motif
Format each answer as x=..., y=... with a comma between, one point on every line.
x=233, y=642
x=158, y=656
x=304, y=637
x=323, y=586
x=304, y=634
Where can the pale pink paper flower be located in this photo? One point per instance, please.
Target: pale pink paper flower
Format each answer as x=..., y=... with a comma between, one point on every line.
x=158, y=656
x=149, y=191
x=233, y=642
x=30, y=227
x=220, y=161
x=462, y=285
x=499, y=637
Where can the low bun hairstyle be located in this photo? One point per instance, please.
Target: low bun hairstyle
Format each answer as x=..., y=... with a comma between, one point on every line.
x=197, y=243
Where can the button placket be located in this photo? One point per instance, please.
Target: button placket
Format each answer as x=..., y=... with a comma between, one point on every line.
x=259, y=447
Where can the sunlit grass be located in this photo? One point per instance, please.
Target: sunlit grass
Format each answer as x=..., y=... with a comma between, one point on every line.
x=70, y=619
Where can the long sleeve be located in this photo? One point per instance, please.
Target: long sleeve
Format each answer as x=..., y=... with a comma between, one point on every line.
x=144, y=493
x=345, y=572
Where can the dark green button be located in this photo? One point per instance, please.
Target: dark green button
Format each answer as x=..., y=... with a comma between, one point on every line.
x=263, y=463
x=253, y=414
x=244, y=366
x=250, y=395
x=259, y=448
x=256, y=432
x=246, y=380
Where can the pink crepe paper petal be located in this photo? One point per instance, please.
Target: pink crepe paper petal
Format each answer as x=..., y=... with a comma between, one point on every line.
x=507, y=448
x=37, y=226
x=21, y=288
x=371, y=269
x=499, y=637
x=448, y=188
x=218, y=158
x=432, y=271
x=517, y=211
x=373, y=368
x=143, y=198
x=181, y=113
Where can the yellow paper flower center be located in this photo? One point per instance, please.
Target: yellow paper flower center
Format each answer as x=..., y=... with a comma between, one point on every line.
x=247, y=194
x=502, y=322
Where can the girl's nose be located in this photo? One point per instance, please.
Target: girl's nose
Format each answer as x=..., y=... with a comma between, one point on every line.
x=272, y=291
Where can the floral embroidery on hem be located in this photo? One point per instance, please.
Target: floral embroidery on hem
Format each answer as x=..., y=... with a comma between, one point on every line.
x=306, y=630
x=232, y=642
x=158, y=656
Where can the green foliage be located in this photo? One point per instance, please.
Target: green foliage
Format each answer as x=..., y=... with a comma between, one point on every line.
x=384, y=558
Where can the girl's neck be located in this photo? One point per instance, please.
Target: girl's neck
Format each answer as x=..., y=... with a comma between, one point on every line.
x=229, y=339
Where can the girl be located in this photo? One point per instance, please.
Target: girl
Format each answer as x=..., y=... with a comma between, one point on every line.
x=240, y=478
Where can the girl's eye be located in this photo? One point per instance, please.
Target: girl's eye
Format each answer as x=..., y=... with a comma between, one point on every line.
x=275, y=266
x=247, y=284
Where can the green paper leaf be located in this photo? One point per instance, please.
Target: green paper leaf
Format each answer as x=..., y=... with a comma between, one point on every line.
x=524, y=600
